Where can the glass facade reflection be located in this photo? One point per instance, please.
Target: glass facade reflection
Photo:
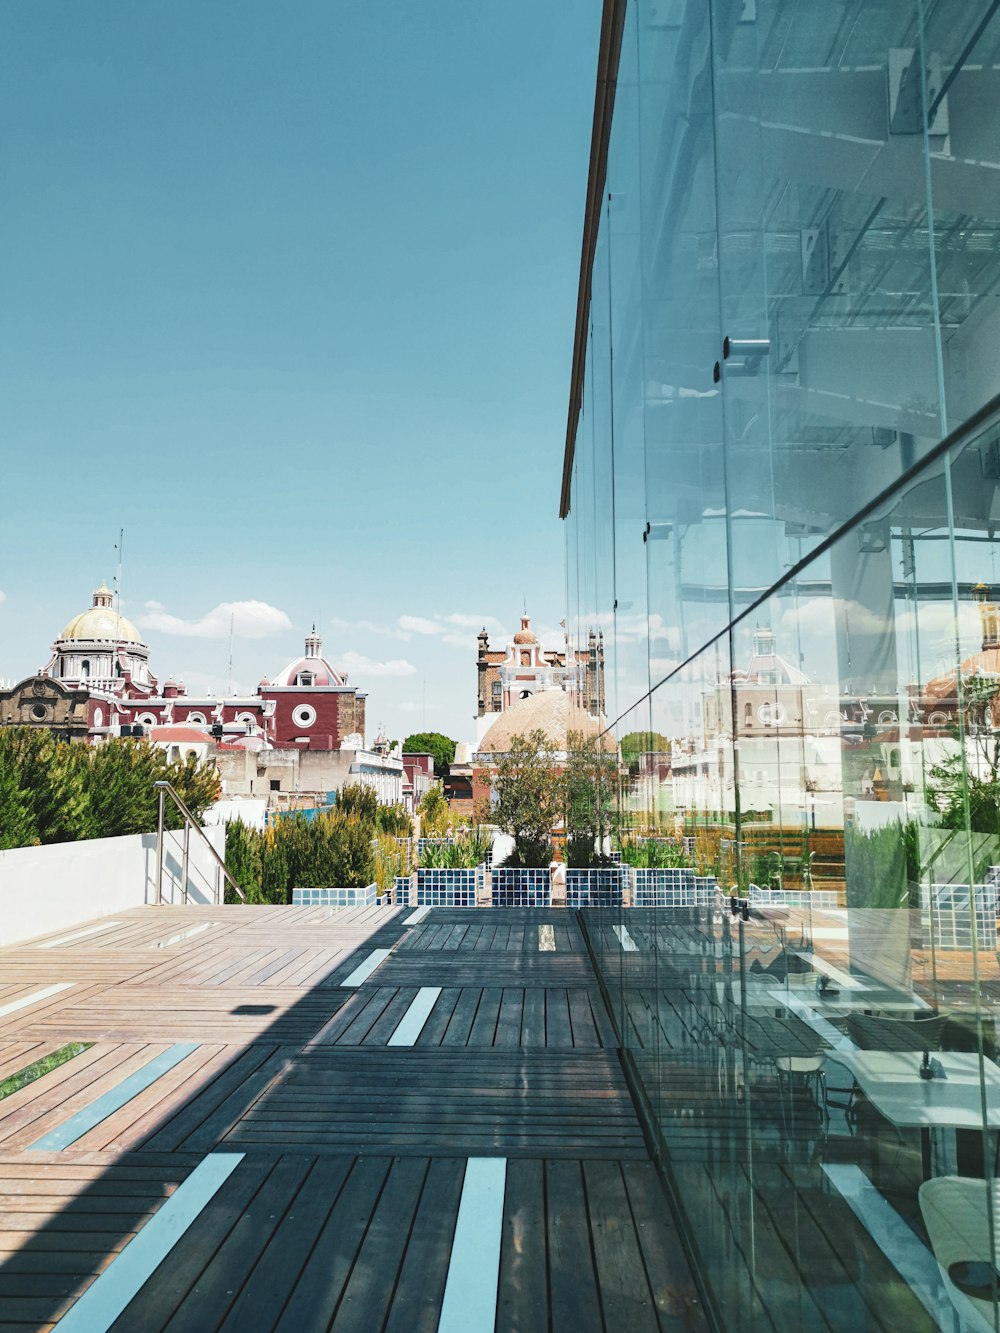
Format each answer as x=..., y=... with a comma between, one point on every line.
x=782, y=504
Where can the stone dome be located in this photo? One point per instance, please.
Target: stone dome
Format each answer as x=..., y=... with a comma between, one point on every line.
x=101, y=622
x=550, y=711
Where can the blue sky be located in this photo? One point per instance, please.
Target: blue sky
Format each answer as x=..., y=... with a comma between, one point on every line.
x=288, y=292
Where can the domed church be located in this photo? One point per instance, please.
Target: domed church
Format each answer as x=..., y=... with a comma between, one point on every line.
x=97, y=683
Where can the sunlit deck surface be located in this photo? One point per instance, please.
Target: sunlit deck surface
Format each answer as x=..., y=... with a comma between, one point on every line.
x=230, y=1031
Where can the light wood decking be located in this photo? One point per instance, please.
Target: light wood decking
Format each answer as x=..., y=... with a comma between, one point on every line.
x=342, y=1210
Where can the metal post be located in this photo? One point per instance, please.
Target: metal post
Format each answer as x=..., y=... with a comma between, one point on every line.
x=218, y=887
x=159, y=849
x=187, y=852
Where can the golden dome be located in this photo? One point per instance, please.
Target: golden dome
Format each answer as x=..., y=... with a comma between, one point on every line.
x=102, y=622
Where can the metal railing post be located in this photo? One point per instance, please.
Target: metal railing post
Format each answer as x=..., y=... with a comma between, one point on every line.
x=159, y=848
x=222, y=871
x=186, y=857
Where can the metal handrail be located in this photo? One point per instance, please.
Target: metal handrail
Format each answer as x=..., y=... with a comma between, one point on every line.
x=164, y=788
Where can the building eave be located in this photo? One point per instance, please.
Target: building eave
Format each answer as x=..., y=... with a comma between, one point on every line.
x=608, y=58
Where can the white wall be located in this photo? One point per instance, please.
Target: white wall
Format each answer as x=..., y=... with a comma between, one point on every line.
x=48, y=889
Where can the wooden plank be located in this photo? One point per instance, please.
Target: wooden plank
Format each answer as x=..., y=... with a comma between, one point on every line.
x=462, y=1018
x=675, y=1295
x=210, y=1094
x=508, y=1030
x=368, y=1291
x=213, y=1294
x=191, y=1253
x=573, y=1294
x=416, y=1304
x=319, y=1287
x=263, y=1296
x=558, y=1032
x=581, y=1018
x=436, y=1026
x=215, y=1125
x=533, y=1021
x=621, y=1275
x=484, y=1027
x=523, y=1305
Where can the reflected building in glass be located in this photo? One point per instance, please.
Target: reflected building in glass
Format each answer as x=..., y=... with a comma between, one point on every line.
x=782, y=503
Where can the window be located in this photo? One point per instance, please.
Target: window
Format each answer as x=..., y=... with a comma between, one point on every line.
x=85, y=668
x=276, y=784
x=304, y=715
x=305, y=678
x=748, y=715
x=39, y=712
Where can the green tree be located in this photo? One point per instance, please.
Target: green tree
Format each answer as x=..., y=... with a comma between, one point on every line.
x=17, y=813
x=590, y=784
x=637, y=743
x=434, y=814
x=972, y=773
x=394, y=820
x=432, y=742
x=359, y=799
x=528, y=788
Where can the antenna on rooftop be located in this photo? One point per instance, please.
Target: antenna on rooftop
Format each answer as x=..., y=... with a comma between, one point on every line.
x=232, y=628
x=120, y=549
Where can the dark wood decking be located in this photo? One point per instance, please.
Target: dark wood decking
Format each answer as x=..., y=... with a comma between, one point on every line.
x=342, y=1210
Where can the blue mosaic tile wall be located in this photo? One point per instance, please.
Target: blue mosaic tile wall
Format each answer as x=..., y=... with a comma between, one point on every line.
x=514, y=886
x=671, y=886
x=446, y=888
x=595, y=888
x=423, y=843
x=401, y=891
x=335, y=897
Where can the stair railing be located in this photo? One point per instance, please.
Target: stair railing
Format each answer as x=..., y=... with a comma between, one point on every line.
x=163, y=790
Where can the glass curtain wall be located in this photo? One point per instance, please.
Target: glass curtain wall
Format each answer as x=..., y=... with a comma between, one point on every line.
x=783, y=524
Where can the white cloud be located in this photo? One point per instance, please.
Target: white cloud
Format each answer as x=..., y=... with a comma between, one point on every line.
x=360, y=666
x=368, y=627
x=250, y=620
x=420, y=625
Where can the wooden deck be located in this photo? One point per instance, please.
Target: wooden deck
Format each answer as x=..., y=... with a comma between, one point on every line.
x=233, y=1035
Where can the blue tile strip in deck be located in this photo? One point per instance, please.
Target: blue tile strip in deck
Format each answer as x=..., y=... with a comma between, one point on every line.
x=375, y=959
x=625, y=939
x=416, y=916
x=77, y=1125
x=412, y=1022
x=102, y=1303
x=470, y=1294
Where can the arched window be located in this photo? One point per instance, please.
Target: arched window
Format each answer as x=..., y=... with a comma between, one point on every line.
x=748, y=715
x=305, y=678
x=526, y=659
x=85, y=668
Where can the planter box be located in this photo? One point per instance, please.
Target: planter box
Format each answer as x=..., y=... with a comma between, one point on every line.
x=445, y=888
x=822, y=899
x=596, y=888
x=670, y=886
x=363, y=897
x=515, y=886
x=401, y=891
x=945, y=918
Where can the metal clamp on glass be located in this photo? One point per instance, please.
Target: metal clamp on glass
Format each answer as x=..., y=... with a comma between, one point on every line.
x=752, y=350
